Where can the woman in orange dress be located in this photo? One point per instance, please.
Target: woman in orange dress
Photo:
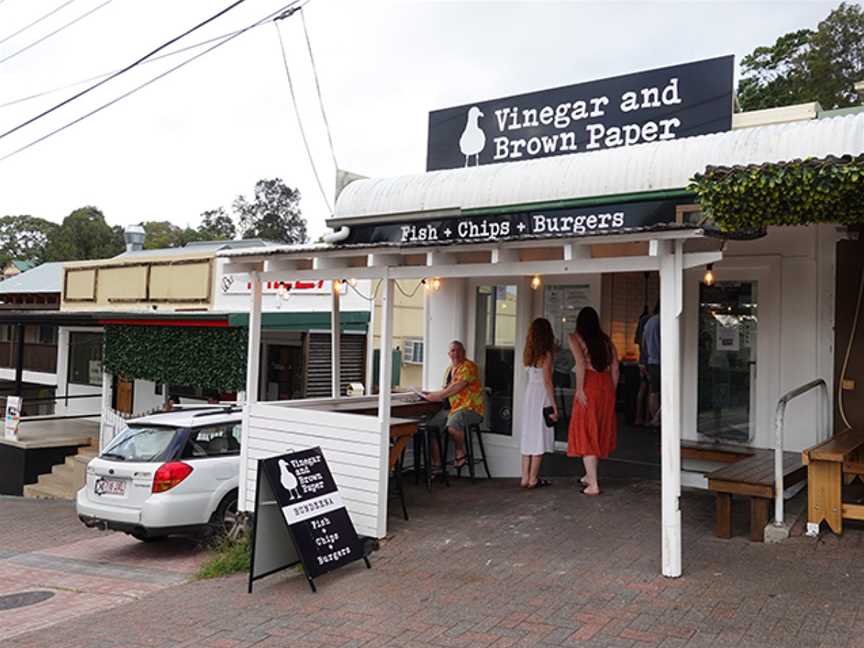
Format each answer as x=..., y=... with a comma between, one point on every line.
x=593, y=426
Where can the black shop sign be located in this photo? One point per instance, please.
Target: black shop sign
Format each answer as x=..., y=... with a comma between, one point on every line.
x=554, y=223
x=300, y=518
x=654, y=106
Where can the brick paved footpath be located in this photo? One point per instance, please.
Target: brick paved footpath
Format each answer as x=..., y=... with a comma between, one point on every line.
x=44, y=547
x=492, y=565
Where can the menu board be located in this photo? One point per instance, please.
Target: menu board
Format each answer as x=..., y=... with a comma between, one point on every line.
x=562, y=305
x=320, y=534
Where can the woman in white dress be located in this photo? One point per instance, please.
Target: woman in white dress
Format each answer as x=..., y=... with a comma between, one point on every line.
x=537, y=437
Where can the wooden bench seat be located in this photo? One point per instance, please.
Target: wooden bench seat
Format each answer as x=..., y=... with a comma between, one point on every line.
x=829, y=465
x=717, y=452
x=752, y=476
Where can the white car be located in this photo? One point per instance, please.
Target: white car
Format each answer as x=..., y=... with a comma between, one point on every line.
x=167, y=474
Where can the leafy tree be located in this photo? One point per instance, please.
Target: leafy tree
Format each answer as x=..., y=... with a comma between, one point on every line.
x=273, y=214
x=807, y=65
x=216, y=225
x=24, y=237
x=84, y=234
x=164, y=234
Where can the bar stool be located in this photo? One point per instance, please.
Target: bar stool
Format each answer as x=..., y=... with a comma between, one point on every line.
x=472, y=431
x=422, y=452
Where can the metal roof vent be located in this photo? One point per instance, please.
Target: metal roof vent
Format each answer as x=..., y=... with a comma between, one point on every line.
x=134, y=237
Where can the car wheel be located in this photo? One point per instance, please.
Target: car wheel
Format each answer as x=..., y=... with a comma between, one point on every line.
x=226, y=521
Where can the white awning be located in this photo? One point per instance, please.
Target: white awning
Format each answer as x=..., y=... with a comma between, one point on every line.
x=632, y=170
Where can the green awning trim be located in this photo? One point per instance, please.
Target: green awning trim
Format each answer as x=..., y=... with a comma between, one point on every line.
x=642, y=196
x=304, y=321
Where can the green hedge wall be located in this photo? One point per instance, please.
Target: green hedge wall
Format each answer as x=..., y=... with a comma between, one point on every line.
x=800, y=192
x=214, y=358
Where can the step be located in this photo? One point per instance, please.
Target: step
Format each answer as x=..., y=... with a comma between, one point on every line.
x=75, y=465
x=66, y=476
x=82, y=458
x=48, y=491
x=88, y=451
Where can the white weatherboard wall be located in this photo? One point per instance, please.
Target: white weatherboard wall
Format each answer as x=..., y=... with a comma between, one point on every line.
x=351, y=444
x=794, y=269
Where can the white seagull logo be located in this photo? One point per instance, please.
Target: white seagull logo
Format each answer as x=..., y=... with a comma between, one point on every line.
x=473, y=139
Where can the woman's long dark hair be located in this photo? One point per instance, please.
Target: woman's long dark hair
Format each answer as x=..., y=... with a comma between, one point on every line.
x=598, y=343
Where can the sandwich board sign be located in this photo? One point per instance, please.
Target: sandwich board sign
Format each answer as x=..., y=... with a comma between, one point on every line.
x=12, y=418
x=300, y=518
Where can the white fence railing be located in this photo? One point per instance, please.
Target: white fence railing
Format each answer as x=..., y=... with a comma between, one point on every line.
x=113, y=422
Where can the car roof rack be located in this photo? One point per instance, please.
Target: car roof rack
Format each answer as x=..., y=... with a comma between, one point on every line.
x=222, y=410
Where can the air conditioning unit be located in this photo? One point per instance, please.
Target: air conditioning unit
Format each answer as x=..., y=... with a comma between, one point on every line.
x=413, y=353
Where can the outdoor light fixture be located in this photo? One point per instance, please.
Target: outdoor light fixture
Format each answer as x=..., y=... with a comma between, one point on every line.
x=337, y=285
x=535, y=282
x=708, y=279
x=430, y=284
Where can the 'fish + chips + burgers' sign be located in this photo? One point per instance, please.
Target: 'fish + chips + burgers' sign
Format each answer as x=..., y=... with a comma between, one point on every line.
x=654, y=106
x=552, y=223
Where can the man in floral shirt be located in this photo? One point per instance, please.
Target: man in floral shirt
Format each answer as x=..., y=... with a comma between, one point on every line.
x=463, y=395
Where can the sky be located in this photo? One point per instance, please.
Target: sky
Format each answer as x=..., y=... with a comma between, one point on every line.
x=204, y=134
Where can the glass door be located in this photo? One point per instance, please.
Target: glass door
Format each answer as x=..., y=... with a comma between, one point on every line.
x=495, y=343
x=728, y=326
x=561, y=306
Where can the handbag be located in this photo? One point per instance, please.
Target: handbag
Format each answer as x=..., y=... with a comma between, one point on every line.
x=547, y=416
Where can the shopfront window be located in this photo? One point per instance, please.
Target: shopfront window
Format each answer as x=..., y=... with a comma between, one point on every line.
x=495, y=342
x=284, y=372
x=85, y=358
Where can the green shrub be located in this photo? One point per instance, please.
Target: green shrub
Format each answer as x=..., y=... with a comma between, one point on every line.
x=800, y=192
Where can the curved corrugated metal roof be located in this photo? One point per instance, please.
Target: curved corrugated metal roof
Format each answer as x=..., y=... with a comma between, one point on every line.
x=645, y=167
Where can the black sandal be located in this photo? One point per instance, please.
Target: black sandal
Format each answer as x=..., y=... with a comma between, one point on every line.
x=540, y=483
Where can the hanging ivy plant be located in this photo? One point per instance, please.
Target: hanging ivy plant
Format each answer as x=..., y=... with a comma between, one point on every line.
x=800, y=192
x=213, y=358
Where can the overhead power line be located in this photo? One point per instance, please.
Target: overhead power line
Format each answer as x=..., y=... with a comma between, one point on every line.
x=318, y=90
x=55, y=32
x=147, y=83
x=96, y=77
x=35, y=22
x=299, y=119
x=122, y=71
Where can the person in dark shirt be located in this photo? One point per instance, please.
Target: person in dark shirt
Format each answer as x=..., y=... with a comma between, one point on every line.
x=651, y=357
x=640, y=417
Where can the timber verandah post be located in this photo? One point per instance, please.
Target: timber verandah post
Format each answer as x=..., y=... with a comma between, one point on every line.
x=252, y=374
x=671, y=259
x=336, y=341
x=385, y=375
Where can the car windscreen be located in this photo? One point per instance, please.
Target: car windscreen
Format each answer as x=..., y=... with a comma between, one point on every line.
x=142, y=443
